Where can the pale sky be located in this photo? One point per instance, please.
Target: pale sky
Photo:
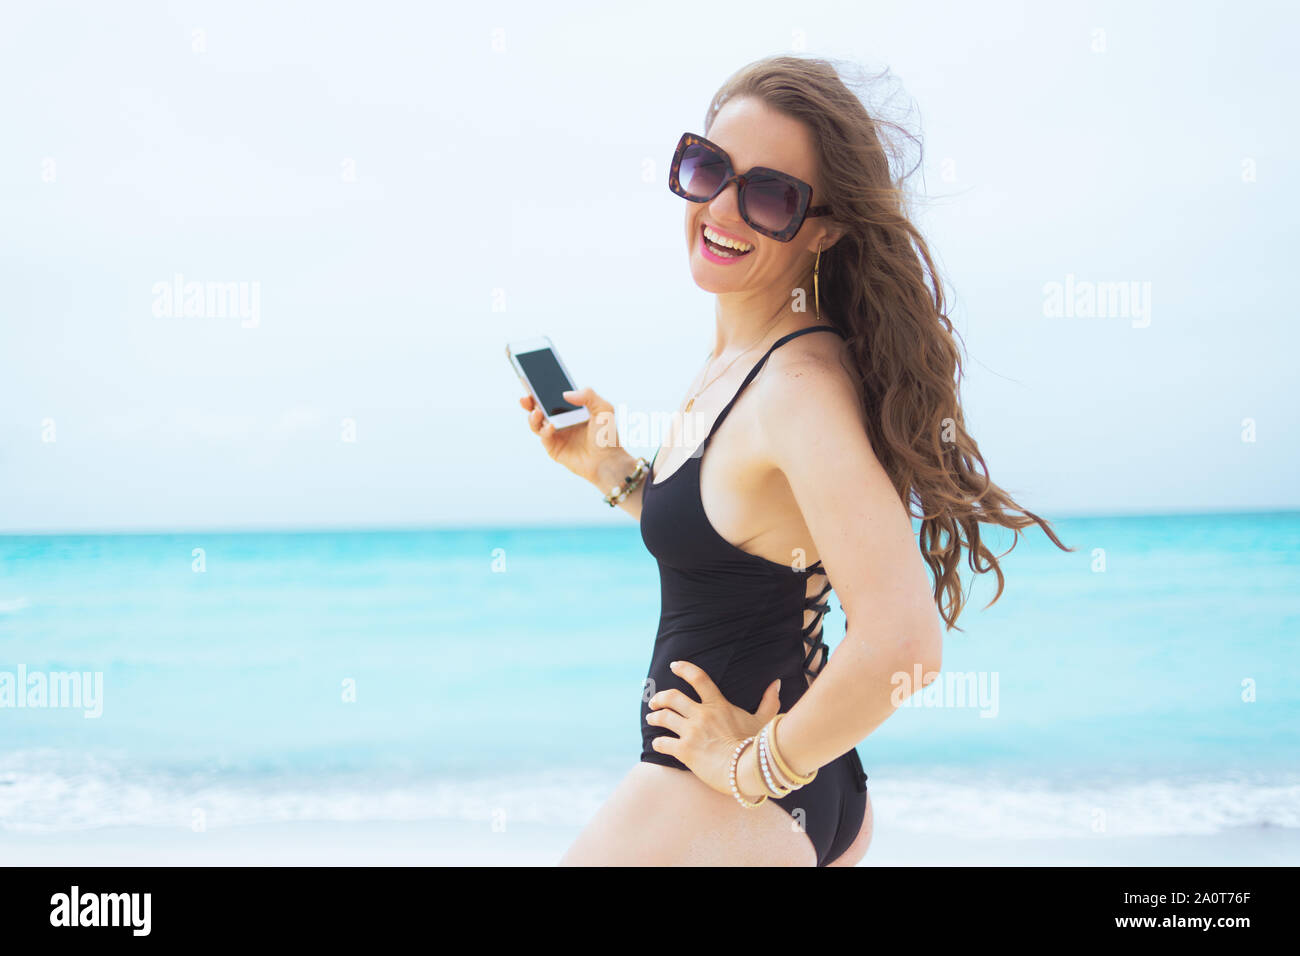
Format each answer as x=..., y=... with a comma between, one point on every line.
x=395, y=187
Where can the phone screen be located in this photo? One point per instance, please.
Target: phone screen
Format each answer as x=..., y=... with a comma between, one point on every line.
x=548, y=380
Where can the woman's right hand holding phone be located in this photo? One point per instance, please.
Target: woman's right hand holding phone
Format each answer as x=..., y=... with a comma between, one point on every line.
x=591, y=449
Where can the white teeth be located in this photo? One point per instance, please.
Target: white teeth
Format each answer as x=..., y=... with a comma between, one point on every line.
x=718, y=240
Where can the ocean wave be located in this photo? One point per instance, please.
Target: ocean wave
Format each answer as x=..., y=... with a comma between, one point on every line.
x=48, y=792
x=44, y=793
x=1029, y=809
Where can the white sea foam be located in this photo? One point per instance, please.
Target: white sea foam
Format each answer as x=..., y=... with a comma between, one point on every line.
x=1157, y=807
x=40, y=792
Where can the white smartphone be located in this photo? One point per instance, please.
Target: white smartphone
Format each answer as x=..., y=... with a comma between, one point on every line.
x=544, y=375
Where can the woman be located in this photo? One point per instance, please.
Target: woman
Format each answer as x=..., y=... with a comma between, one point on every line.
x=804, y=476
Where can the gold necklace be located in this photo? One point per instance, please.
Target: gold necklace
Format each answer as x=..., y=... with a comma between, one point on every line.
x=760, y=338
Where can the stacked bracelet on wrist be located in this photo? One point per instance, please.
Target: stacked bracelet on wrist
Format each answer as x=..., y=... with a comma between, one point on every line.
x=778, y=779
x=777, y=785
x=629, y=485
x=796, y=780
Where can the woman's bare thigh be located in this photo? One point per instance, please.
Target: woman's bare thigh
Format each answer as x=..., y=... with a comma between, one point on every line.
x=661, y=816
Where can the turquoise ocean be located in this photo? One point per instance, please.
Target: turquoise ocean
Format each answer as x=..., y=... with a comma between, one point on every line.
x=1150, y=679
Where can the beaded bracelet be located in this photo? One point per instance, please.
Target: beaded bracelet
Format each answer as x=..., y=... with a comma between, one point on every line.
x=734, y=789
x=617, y=494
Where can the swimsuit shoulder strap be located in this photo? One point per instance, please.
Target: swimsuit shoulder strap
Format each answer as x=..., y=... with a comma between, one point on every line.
x=753, y=372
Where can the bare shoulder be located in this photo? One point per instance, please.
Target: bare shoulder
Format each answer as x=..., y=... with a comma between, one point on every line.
x=809, y=381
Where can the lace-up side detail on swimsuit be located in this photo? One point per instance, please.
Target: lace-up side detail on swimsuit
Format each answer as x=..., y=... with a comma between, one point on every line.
x=812, y=632
x=746, y=621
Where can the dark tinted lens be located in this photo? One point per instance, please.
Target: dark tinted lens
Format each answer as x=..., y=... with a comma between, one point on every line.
x=771, y=203
x=701, y=172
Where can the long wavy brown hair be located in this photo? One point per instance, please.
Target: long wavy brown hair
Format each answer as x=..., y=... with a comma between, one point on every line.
x=879, y=285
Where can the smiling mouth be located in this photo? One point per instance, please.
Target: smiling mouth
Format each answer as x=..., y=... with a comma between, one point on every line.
x=722, y=247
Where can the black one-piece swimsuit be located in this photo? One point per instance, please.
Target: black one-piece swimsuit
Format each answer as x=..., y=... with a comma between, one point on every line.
x=739, y=617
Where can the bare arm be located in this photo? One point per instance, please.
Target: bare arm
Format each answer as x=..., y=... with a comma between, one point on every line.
x=814, y=431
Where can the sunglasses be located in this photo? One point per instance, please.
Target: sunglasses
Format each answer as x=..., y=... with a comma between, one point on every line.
x=773, y=203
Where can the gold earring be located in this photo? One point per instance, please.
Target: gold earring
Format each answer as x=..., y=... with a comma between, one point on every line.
x=817, y=296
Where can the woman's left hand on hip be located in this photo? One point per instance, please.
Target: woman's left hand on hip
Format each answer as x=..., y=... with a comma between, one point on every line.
x=709, y=731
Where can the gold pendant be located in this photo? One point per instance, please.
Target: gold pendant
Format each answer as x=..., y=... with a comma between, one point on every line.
x=689, y=404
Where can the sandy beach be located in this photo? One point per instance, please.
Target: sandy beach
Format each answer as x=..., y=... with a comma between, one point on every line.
x=476, y=844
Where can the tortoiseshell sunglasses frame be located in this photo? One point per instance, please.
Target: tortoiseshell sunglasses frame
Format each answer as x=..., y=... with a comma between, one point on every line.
x=804, y=191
